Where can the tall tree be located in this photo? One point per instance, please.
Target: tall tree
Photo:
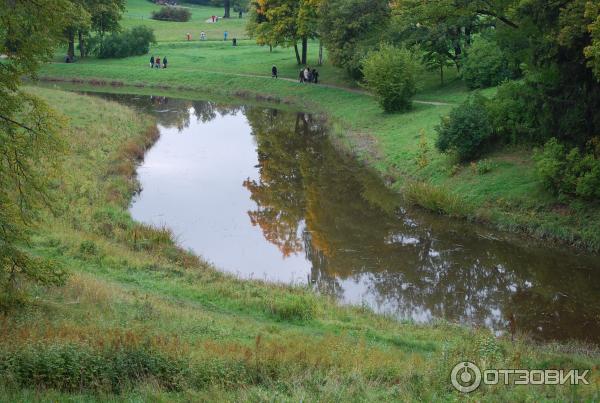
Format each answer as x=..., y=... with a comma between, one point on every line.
x=284, y=23
x=351, y=28
x=29, y=32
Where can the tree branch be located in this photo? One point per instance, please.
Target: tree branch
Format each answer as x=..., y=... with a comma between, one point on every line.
x=500, y=17
x=19, y=124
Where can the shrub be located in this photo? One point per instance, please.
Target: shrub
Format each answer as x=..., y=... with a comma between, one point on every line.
x=467, y=130
x=390, y=74
x=513, y=113
x=170, y=13
x=485, y=65
x=131, y=42
x=569, y=172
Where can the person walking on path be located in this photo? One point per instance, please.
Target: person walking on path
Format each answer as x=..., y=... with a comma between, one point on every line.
x=301, y=76
x=165, y=62
x=152, y=61
x=315, y=75
x=307, y=75
x=202, y=36
x=274, y=72
x=157, y=63
x=225, y=34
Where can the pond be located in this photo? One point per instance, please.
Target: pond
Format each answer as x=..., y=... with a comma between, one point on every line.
x=263, y=194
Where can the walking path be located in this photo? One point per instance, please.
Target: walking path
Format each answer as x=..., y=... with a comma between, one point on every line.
x=337, y=87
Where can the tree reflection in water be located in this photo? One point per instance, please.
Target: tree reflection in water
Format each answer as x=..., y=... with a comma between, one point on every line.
x=312, y=199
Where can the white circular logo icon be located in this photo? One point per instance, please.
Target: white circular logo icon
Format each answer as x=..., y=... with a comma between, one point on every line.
x=466, y=377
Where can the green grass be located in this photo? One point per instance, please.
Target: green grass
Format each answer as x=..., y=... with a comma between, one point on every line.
x=510, y=196
x=142, y=320
x=139, y=12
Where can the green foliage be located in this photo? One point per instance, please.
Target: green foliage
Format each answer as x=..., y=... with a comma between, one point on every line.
x=570, y=172
x=352, y=28
x=482, y=167
x=29, y=142
x=72, y=367
x=171, y=13
x=423, y=150
x=485, y=65
x=467, y=130
x=592, y=51
x=131, y=42
x=390, y=74
x=513, y=113
x=438, y=199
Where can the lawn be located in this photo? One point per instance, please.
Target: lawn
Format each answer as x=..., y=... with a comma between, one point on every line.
x=139, y=12
x=141, y=320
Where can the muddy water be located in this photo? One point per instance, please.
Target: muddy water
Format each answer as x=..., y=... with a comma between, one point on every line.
x=263, y=194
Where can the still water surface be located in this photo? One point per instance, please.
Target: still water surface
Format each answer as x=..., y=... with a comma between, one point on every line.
x=263, y=194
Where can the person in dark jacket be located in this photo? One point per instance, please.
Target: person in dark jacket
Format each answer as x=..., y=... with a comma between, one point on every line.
x=152, y=62
x=165, y=62
x=274, y=71
x=315, y=75
x=301, y=76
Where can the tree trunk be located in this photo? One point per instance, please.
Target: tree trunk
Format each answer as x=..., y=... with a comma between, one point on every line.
x=320, y=53
x=304, y=49
x=81, y=45
x=71, y=49
x=297, y=53
x=227, y=6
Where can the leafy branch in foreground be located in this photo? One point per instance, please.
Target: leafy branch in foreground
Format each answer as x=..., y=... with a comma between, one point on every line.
x=29, y=136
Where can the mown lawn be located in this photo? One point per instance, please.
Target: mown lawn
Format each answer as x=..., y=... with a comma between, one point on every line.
x=139, y=12
x=141, y=320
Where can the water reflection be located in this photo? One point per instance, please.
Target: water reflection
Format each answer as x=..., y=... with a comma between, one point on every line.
x=324, y=212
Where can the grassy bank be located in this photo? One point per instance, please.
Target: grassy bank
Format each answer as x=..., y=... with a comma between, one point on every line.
x=140, y=319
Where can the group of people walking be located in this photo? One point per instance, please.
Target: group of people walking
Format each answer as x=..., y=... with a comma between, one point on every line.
x=156, y=62
x=309, y=76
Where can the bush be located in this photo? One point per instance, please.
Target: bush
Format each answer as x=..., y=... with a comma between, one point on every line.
x=170, y=13
x=570, y=172
x=513, y=114
x=467, y=130
x=131, y=42
x=485, y=65
x=390, y=74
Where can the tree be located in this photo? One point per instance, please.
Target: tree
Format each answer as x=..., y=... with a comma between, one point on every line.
x=592, y=51
x=100, y=16
x=284, y=23
x=29, y=143
x=351, y=28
